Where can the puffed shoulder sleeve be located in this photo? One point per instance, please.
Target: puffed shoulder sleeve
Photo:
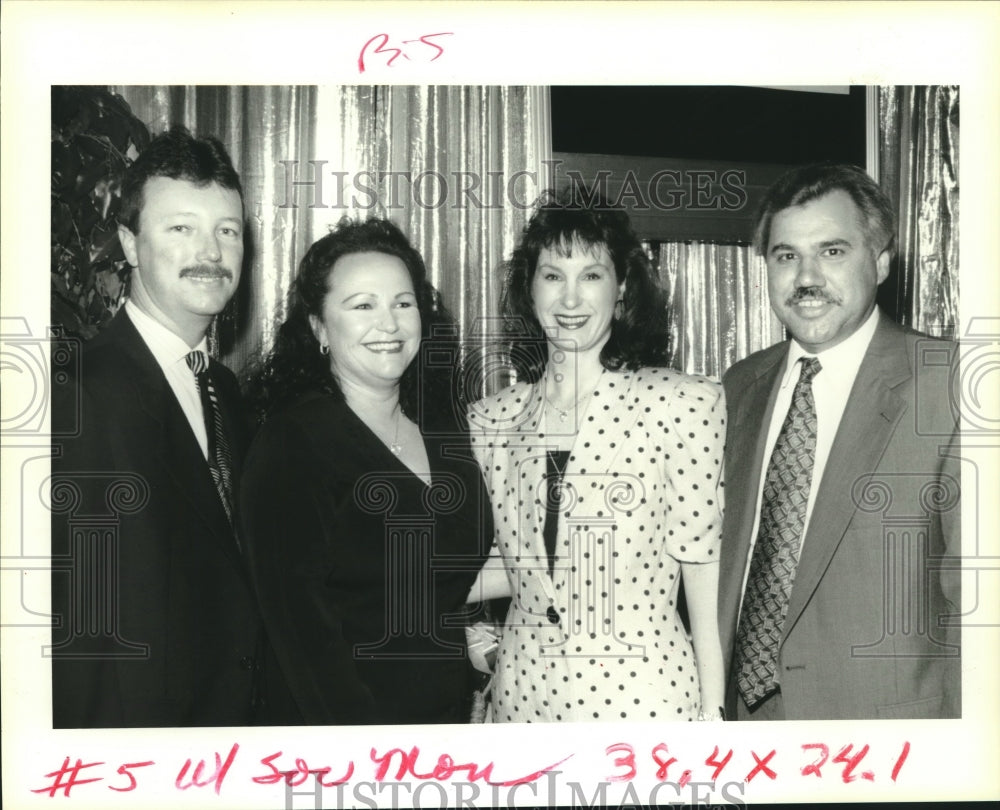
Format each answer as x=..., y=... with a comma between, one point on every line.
x=478, y=433
x=696, y=437
x=491, y=421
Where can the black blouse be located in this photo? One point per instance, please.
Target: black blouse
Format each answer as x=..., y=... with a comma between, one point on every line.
x=555, y=467
x=361, y=568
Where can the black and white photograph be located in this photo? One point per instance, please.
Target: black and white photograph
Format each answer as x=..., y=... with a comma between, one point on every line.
x=392, y=397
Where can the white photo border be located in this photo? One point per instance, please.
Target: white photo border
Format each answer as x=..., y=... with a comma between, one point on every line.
x=54, y=43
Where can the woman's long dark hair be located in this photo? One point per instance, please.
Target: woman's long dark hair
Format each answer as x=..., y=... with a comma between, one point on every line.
x=640, y=337
x=295, y=366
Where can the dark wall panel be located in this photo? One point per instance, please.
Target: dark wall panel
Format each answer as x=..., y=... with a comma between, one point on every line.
x=749, y=124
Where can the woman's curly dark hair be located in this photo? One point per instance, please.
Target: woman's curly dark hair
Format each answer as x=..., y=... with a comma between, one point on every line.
x=295, y=366
x=640, y=337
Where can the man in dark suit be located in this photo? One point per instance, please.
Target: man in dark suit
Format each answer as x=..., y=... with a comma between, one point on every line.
x=155, y=621
x=839, y=586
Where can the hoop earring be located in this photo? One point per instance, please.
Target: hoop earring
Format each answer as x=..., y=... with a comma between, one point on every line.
x=324, y=349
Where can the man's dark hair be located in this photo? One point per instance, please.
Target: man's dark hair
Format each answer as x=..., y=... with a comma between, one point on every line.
x=179, y=155
x=808, y=183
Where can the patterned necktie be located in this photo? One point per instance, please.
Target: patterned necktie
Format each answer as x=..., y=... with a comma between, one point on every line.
x=776, y=553
x=219, y=458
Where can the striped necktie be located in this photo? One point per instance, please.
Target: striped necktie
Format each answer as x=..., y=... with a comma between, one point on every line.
x=219, y=457
x=776, y=553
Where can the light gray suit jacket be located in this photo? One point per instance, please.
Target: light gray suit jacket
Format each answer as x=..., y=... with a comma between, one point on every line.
x=872, y=626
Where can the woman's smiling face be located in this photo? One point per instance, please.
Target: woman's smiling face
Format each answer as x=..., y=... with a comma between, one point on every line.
x=574, y=291
x=369, y=320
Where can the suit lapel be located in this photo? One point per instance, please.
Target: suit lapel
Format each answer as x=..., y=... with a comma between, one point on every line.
x=524, y=447
x=600, y=456
x=593, y=452
x=746, y=437
x=873, y=411
x=173, y=444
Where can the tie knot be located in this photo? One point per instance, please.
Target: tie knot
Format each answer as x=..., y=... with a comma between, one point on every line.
x=810, y=368
x=197, y=361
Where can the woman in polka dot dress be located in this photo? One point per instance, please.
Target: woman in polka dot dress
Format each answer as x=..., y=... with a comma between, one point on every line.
x=604, y=469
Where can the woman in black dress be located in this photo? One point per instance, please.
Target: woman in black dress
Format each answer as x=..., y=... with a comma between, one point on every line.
x=361, y=504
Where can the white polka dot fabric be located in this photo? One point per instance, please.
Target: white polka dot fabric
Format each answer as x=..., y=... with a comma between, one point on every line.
x=600, y=639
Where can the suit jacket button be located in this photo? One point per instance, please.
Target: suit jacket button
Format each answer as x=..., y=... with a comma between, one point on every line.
x=553, y=616
x=246, y=662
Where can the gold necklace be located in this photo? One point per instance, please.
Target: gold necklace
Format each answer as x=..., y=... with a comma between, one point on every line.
x=564, y=414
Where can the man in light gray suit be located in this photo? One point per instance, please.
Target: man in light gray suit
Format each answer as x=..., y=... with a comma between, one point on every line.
x=839, y=581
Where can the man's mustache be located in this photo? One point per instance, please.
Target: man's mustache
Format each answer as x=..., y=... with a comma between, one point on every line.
x=209, y=270
x=812, y=294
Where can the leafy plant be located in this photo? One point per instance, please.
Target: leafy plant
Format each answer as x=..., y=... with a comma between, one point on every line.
x=95, y=137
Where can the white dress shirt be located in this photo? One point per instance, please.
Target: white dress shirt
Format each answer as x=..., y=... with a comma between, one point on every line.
x=831, y=390
x=170, y=352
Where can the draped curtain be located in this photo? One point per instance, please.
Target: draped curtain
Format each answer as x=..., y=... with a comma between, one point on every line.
x=918, y=169
x=719, y=308
x=457, y=167
x=444, y=163
x=473, y=157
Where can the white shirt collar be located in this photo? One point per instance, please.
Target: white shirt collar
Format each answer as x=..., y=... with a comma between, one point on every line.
x=166, y=347
x=842, y=360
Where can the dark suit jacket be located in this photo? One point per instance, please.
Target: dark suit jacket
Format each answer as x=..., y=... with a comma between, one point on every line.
x=872, y=626
x=361, y=569
x=155, y=619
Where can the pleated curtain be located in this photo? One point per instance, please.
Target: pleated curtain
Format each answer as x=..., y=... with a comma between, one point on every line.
x=310, y=155
x=456, y=167
x=919, y=169
x=719, y=309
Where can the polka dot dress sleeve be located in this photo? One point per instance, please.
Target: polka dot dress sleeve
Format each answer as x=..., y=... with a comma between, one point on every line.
x=483, y=439
x=478, y=434
x=696, y=437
